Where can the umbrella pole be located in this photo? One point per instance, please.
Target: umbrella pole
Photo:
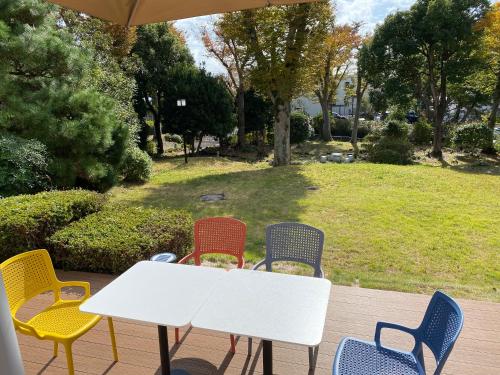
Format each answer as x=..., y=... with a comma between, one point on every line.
x=10, y=356
x=132, y=13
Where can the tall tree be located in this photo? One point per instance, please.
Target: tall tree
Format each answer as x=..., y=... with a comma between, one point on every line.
x=208, y=109
x=364, y=63
x=223, y=43
x=45, y=95
x=160, y=49
x=284, y=42
x=337, y=54
x=440, y=34
x=490, y=51
x=112, y=68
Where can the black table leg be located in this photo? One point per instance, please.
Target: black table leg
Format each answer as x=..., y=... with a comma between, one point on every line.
x=267, y=354
x=164, y=350
x=165, y=354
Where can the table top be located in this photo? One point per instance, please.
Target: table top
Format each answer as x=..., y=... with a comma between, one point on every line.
x=155, y=292
x=266, y=305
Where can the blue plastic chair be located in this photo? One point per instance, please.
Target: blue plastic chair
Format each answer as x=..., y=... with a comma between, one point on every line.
x=293, y=242
x=439, y=331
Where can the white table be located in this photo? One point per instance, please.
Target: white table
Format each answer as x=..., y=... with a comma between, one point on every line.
x=270, y=306
x=155, y=292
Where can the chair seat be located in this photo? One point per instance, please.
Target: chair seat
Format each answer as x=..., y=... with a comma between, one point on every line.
x=357, y=357
x=63, y=320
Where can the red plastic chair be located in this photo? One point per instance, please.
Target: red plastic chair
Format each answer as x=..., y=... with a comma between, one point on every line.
x=217, y=235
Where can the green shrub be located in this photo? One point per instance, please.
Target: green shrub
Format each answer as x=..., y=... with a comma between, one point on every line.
x=472, y=136
x=151, y=147
x=137, y=166
x=317, y=123
x=27, y=220
x=396, y=129
x=342, y=127
x=390, y=150
x=23, y=166
x=363, y=129
x=390, y=144
x=421, y=133
x=116, y=238
x=397, y=113
x=300, y=129
x=173, y=138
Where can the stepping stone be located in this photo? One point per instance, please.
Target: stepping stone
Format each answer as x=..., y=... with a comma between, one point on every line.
x=212, y=197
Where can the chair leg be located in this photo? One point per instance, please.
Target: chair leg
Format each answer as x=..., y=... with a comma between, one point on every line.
x=249, y=346
x=233, y=344
x=113, y=338
x=56, y=347
x=69, y=358
x=177, y=339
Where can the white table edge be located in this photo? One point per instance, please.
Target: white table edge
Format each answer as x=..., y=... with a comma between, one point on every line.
x=312, y=344
x=127, y=318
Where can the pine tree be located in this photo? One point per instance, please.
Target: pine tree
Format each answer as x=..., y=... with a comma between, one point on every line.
x=45, y=95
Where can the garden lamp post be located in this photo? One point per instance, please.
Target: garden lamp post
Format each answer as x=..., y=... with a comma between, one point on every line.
x=10, y=357
x=182, y=103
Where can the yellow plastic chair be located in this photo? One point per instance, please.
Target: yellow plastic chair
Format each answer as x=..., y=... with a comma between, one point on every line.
x=32, y=273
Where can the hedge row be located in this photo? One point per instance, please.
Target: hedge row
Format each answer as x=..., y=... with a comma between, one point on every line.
x=115, y=238
x=27, y=220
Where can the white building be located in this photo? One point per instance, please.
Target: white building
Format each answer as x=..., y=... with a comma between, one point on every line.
x=344, y=104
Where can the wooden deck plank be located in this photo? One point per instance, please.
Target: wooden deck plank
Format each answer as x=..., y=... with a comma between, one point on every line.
x=352, y=312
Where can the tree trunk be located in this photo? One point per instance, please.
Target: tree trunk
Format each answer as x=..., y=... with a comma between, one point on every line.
x=494, y=108
x=143, y=134
x=437, y=143
x=456, y=116
x=158, y=136
x=191, y=146
x=282, y=154
x=439, y=111
x=326, y=132
x=185, y=149
x=359, y=96
x=199, y=144
x=241, y=116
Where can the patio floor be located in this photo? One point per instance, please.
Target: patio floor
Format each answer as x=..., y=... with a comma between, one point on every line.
x=352, y=312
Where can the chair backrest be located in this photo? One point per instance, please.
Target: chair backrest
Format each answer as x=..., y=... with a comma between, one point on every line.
x=294, y=242
x=26, y=275
x=440, y=327
x=220, y=235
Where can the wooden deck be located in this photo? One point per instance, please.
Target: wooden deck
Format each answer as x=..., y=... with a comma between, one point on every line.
x=352, y=312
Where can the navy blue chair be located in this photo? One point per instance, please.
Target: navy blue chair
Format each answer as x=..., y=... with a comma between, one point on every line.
x=439, y=331
x=293, y=242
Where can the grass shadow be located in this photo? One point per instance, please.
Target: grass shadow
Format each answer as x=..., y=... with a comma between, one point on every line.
x=257, y=196
x=485, y=164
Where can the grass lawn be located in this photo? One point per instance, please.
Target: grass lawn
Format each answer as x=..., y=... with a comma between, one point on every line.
x=409, y=228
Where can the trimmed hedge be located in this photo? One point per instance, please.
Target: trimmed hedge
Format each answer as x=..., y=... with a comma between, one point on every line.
x=115, y=238
x=27, y=220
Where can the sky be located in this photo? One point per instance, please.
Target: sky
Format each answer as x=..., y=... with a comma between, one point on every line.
x=369, y=12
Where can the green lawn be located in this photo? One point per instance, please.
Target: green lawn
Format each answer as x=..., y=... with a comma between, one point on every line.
x=410, y=228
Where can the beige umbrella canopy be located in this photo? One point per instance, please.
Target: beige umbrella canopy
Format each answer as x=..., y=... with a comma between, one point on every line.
x=139, y=12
